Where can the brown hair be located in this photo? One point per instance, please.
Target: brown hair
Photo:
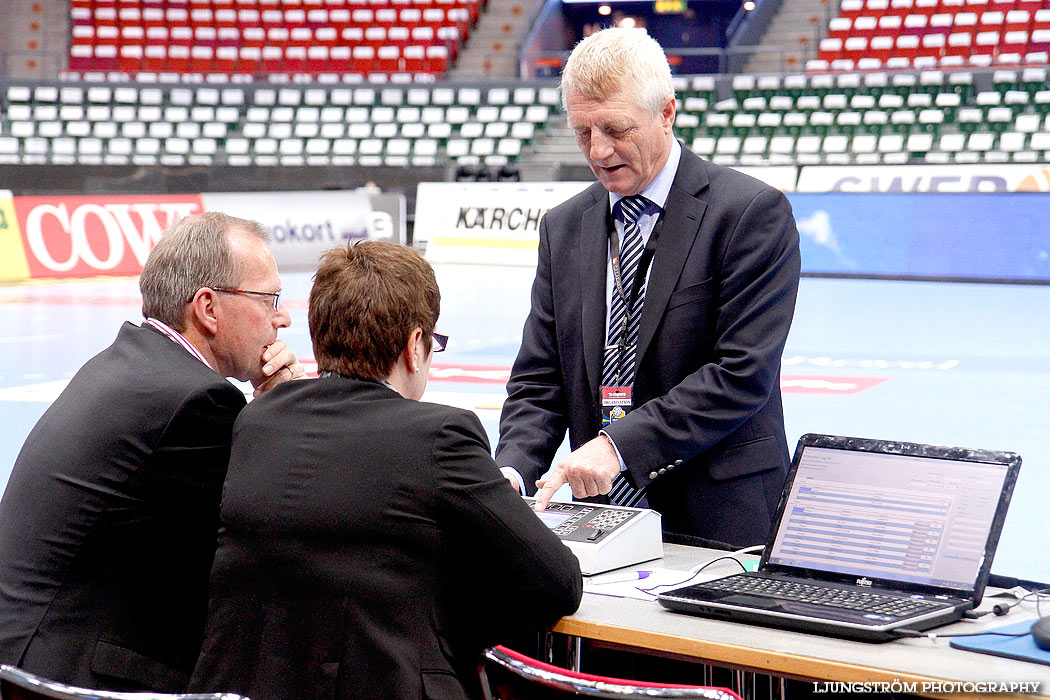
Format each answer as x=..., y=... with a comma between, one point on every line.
x=366, y=300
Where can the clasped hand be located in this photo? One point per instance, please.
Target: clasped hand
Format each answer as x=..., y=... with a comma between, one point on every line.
x=279, y=365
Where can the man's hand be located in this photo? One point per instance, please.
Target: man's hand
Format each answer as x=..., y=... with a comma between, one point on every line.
x=514, y=479
x=279, y=365
x=590, y=471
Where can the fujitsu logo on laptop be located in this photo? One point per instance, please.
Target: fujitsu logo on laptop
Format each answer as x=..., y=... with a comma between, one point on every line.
x=864, y=582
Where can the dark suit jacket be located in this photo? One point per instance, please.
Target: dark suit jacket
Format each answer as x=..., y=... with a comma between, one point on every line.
x=107, y=526
x=706, y=436
x=370, y=548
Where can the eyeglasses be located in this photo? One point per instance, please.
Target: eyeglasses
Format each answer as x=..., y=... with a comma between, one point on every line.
x=276, y=295
x=440, y=342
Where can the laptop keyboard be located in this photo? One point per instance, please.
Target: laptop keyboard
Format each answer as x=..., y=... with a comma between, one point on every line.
x=875, y=603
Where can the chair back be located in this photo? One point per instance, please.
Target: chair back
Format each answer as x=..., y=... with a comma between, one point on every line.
x=16, y=684
x=507, y=675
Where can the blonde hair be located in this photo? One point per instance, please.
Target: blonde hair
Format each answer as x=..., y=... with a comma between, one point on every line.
x=619, y=59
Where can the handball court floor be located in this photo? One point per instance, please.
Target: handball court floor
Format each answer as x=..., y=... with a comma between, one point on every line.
x=959, y=364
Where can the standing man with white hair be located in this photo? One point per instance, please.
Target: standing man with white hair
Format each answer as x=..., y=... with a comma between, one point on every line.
x=662, y=301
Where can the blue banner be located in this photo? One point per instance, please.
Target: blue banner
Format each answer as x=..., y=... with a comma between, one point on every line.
x=967, y=236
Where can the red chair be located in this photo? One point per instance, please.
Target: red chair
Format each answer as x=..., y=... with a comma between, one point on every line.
x=907, y=47
x=362, y=59
x=830, y=49
x=294, y=59
x=437, y=59
x=131, y=56
x=880, y=48
x=927, y=7
x=415, y=59
x=226, y=59
x=155, y=58
x=249, y=59
x=855, y=48
x=851, y=8
x=1014, y=42
x=864, y=26
x=202, y=59
x=388, y=59
x=507, y=675
x=1041, y=19
x=839, y=27
x=932, y=45
x=915, y=24
x=959, y=44
x=900, y=8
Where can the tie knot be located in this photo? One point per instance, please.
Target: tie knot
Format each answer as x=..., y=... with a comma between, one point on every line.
x=632, y=207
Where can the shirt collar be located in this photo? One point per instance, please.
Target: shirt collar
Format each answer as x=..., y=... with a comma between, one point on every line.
x=178, y=338
x=657, y=190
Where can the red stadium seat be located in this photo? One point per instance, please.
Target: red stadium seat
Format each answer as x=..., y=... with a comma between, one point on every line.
x=986, y=43
x=854, y=48
x=915, y=24
x=829, y=49
x=851, y=8
x=959, y=44
x=437, y=59
x=339, y=59
x=362, y=59
x=226, y=58
x=1017, y=20
x=294, y=59
x=932, y=45
x=840, y=27
x=415, y=59
x=881, y=48
x=388, y=59
x=131, y=56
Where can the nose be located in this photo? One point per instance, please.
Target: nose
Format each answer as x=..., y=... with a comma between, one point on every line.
x=600, y=146
x=282, y=319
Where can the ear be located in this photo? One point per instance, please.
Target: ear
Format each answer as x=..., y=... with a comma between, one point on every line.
x=413, y=354
x=667, y=113
x=203, y=312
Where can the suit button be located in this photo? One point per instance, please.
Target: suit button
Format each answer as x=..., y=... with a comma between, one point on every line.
x=663, y=471
x=677, y=462
x=653, y=475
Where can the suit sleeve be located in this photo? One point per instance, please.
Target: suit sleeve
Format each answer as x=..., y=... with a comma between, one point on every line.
x=193, y=451
x=756, y=286
x=535, y=415
x=522, y=576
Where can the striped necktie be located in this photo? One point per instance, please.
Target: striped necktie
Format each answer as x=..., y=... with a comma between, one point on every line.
x=620, y=352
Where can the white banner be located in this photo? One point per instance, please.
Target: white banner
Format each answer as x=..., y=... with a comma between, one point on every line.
x=485, y=222
x=783, y=177
x=303, y=225
x=925, y=178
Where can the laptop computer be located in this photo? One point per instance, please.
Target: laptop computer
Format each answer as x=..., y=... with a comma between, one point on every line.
x=871, y=537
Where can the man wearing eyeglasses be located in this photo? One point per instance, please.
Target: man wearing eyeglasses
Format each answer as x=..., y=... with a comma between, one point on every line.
x=108, y=523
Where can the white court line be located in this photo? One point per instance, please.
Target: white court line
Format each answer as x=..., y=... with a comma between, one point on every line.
x=43, y=392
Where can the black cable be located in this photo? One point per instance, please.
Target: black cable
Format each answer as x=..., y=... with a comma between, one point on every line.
x=999, y=609
x=912, y=634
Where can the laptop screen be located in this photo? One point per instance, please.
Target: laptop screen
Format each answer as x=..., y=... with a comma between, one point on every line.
x=898, y=516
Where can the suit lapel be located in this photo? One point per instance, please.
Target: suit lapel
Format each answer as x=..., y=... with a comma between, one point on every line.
x=682, y=215
x=594, y=253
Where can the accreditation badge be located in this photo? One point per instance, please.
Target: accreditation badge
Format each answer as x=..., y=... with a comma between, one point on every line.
x=616, y=402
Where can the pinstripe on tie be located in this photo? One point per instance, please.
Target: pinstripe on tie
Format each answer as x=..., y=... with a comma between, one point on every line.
x=619, y=365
